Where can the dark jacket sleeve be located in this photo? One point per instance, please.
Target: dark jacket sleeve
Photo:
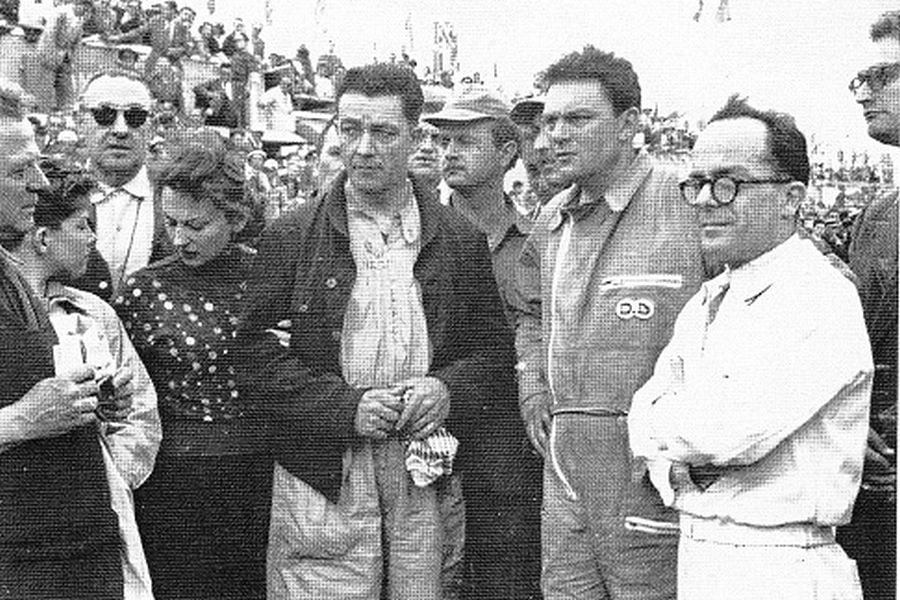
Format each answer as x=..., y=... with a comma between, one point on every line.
x=311, y=410
x=479, y=367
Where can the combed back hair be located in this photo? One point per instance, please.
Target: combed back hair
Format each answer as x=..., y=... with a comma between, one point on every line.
x=887, y=26
x=614, y=72
x=200, y=165
x=503, y=130
x=69, y=192
x=385, y=79
x=787, y=145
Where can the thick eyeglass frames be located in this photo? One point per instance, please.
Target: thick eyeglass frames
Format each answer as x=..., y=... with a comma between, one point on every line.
x=724, y=188
x=105, y=115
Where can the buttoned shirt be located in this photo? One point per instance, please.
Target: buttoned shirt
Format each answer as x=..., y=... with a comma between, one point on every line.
x=760, y=395
x=90, y=333
x=506, y=238
x=385, y=336
x=125, y=225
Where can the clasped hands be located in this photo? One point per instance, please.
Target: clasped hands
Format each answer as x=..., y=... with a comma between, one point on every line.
x=414, y=407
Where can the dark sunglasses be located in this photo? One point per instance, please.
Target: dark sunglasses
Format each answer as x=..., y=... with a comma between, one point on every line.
x=106, y=115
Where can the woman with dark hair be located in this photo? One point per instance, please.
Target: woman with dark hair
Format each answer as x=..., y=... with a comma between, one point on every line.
x=203, y=514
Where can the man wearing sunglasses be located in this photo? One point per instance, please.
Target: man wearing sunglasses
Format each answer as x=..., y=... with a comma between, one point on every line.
x=129, y=231
x=870, y=539
x=753, y=427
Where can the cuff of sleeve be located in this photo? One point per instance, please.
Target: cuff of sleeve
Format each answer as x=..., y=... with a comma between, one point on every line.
x=659, y=470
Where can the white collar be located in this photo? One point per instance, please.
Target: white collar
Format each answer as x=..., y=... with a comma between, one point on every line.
x=139, y=186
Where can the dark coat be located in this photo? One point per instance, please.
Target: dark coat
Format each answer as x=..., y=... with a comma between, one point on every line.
x=305, y=273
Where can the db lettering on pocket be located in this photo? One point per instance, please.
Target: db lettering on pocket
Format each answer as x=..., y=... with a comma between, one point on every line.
x=635, y=308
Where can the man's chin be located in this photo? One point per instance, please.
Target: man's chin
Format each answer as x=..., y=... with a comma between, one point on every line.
x=885, y=129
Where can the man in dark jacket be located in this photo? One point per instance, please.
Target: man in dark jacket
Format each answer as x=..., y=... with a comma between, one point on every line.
x=374, y=330
x=216, y=99
x=59, y=535
x=870, y=539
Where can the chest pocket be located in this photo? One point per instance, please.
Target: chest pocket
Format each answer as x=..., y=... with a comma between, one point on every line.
x=641, y=308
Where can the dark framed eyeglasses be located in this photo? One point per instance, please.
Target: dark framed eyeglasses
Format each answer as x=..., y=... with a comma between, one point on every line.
x=105, y=115
x=876, y=77
x=724, y=188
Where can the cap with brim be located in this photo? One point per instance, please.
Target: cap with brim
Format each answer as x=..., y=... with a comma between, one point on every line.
x=473, y=104
x=253, y=153
x=526, y=111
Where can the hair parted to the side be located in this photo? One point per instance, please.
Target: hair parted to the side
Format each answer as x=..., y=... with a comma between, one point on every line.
x=887, y=26
x=787, y=144
x=614, y=72
x=386, y=79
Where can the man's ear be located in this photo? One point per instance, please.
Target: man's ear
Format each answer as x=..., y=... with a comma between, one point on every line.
x=628, y=124
x=794, y=195
x=39, y=240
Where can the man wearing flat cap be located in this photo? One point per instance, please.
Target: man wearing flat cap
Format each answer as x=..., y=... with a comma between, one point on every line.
x=480, y=144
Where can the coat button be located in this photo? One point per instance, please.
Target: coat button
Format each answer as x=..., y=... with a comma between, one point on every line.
x=336, y=335
x=331, y=283
x=303, y=308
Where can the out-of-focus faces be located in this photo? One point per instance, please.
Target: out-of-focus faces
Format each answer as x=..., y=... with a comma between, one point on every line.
x=425, y=161
x=877, y=90
x=117, y=134
x=20, y=175
x=376, y=142
x=199, y=230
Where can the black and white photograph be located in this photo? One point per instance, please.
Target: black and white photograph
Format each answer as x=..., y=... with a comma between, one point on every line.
x=432, y=300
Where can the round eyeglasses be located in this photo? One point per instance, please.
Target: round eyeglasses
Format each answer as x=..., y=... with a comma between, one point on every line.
x=724, y=188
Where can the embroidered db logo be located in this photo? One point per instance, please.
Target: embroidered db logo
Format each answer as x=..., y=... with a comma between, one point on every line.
x=635, y=308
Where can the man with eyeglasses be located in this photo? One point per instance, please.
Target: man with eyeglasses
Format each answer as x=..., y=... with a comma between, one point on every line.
x=613, y=258
x=870, y=539
x=373, y=335
x=130, y=232
x=753, y=427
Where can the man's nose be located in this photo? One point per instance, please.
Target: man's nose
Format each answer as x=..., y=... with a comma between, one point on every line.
x=705, y=197
x=366, y=145
x=863, y=93
x=179, y=238
x=542, y=142
x=119, y=126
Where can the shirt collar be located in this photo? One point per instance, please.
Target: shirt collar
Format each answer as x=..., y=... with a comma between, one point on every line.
x=10, y=258
x=617, y=197
x=138, y=187
x=751, y=280
x=410, y=220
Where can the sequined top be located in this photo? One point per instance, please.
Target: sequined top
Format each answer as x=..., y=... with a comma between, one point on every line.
x=182, y=321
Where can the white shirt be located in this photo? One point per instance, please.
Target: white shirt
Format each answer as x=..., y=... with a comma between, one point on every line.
x=125, y=225
x=775, y=391
x=89, y=332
